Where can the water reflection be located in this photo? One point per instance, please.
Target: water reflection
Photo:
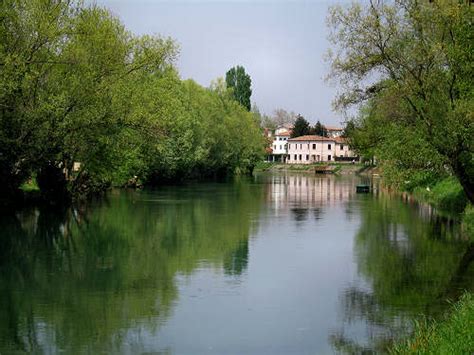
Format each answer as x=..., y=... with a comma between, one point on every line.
x=407, y=255
x=306, y=195
x=284, y=263
x=80, y=279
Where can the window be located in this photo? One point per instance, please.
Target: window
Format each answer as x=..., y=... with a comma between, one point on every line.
x=342, y=147
x=329, y=157
x=340, y=156
x=307, y=157
x=295, y=157
x=308, y=145
x=281, y=147
x=314, y=145
x=329, y=146
x=300, y=156
x=301, y=145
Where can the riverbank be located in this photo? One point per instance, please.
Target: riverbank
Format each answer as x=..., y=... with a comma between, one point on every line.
x=336, y=168
x=454, y=334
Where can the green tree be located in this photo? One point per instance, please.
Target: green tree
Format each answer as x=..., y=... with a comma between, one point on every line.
x=239, y=81
x=320, y=130
x=422, y=53
x=76, y=86
x=66, y=70
x=301, y=127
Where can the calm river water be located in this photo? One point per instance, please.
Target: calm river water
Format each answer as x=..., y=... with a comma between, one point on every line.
x=274, y=264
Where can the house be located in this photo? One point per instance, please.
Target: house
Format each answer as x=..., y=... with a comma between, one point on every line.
x=334, y=132
x=279, y=145
x=313, y=149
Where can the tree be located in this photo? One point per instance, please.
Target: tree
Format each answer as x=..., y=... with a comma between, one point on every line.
x=320, y=130
x=239, y=81
x=76, y=86
x=301, y=127
x=282, y=117
x=421, y=53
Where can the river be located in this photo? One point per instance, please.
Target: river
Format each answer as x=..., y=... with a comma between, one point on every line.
x=273, y=264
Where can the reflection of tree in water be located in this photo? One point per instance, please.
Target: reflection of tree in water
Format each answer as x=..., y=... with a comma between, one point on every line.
x=300, y=214
x=318, y=213
x=82, y=280
x=237, y=261
x=408, y=258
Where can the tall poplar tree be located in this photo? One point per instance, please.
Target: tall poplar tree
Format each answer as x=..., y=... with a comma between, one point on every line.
x=239, y=81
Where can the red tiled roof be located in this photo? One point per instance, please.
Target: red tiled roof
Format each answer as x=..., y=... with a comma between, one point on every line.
x=283, y=134
x=340, y=140
x=312, y=138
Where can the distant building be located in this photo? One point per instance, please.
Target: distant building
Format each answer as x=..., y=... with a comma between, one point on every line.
x=334, y=132
x=279, y=145
x=313, y=149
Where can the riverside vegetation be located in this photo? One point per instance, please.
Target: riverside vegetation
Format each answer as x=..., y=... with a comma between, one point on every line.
x=408, y=66
x=76, y=86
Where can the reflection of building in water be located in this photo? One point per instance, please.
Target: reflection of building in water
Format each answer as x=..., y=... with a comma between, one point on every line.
x=288, y=191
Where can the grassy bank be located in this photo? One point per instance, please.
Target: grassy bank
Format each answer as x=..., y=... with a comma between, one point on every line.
x=446, y=195
x=452, y=335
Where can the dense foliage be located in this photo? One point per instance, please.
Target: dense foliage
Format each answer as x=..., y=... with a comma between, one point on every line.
x=411, y=62
x=76, y=86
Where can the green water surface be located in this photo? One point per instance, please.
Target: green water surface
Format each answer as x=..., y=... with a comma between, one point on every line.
x=274, y=264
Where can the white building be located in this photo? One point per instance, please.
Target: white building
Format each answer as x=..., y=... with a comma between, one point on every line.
x=313, y=149
x=334, y=132
x=279, y=146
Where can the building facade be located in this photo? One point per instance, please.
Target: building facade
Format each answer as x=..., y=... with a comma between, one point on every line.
x=314, y=149
x=279, y=145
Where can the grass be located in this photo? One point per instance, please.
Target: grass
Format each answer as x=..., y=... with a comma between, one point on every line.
x=452, y=335
x=446, y=195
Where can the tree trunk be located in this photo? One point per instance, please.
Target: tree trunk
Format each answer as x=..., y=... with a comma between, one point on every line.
x=53, y=184
x=463, y=167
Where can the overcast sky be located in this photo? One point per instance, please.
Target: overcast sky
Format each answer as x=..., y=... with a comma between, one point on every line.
x=281, y=44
